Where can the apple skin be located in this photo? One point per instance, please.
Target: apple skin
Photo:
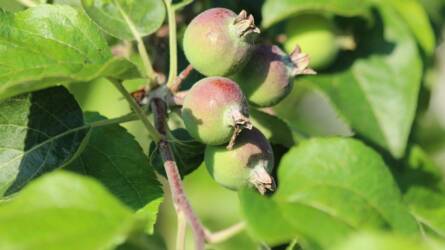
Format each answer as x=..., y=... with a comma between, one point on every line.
x=213, y=109
x=249, y=163
x=218, y=42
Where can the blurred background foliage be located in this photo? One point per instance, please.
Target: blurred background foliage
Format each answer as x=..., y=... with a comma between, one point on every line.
x=307, y=111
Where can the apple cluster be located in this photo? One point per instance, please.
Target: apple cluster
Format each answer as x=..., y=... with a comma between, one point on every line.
x=221, y=45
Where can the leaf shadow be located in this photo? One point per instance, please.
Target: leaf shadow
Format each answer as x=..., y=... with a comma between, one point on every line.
x=48, y=143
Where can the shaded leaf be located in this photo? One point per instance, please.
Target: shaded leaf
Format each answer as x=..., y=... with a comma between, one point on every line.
x=428, y=207
x=52, y=44
x=418, y=169
x=113, y=157
x=39, y=132
x=146, y=16
x=272, y=127
x=309, y=113
x=64, y=210
x=188, y=152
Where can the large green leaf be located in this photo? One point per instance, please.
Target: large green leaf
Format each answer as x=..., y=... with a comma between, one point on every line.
x=113, y=156
x=415, y=15
x=274, y=11
x=39, y=132
x=342, y=184
x=51, y=44
x=65, y=211
x=119, y=17
x=329, y=188
x=378, y=93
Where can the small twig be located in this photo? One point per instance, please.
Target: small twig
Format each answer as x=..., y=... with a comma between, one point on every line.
x=149, y=71
x=159, y=109
x=173, y=71
x=155, y=136
x=118, y=120
x=180, y=78
x=182, y=4
x=180, y=235
x=225, y=234
x=27, y=3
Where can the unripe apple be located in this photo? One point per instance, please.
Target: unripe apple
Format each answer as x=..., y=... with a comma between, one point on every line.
x=267, y=78
x=316, y=35
x=249, y=163
x=218, y=42
x=215, y=110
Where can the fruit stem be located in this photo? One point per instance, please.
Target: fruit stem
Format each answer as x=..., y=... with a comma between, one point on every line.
x=180, y=234
x=155, y=136
x=173, y=70
x=176, y=85
x=240, y=122
x=179, y=197
x=225, y=234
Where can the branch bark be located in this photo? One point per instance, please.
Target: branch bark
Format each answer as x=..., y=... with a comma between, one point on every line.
x=182, y=205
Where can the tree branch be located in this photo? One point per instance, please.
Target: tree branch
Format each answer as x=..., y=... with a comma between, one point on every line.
x=138, y=110
x=225, y=234
x=182, y=205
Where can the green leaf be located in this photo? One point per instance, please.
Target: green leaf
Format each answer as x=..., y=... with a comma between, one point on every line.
x=378, y=93
x=273, y=128
x=39, y=132
x=64, y=210
x=274, y=11
x=386, y=241
x=188, y=152
x=143, y=241
x=414, y=14
x=113, y=157
x=309, y=113
x=264, y=218
x=52, y=44
x=327, y=189
x=331, y=187
x=428, y=207
x=119, y=17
